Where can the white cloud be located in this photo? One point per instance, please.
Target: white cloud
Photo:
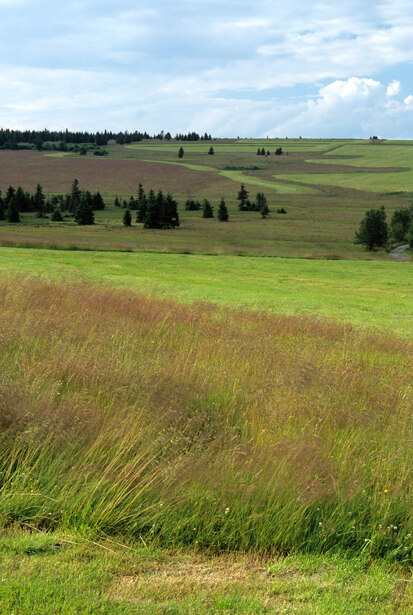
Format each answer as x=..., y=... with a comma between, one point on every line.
x=393, y=88
x=408, y=101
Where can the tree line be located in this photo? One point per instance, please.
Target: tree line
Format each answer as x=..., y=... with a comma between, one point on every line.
x=39, y=139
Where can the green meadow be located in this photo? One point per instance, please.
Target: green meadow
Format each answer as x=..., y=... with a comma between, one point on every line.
x=215, y=418
x=365, y=293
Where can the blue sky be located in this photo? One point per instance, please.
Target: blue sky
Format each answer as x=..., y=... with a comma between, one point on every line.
x=231, y=68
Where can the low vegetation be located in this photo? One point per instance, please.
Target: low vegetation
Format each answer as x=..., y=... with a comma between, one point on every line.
x=190, y=425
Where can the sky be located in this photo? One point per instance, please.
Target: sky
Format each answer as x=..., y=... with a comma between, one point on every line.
x=336, y=68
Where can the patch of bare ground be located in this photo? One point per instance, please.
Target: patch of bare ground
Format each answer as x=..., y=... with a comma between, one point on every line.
x=185, y=575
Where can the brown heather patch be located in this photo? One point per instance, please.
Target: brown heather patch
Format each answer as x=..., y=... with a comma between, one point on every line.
x=109, y=176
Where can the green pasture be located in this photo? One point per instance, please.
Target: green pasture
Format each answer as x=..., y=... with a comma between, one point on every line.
x=58, y=573
x=372, y=156
x=373, y=182
x=365, y=293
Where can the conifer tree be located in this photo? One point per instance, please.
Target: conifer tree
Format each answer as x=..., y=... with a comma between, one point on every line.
x=222, y=211
x=2, y=212
x=12, y=214
x=84, y=212
x=181, y=152
x=171, y=212
x=152, y=214
x=39, y=202
x=57, y=215
x=127, y=218
x=242, y=197
x=207, y=210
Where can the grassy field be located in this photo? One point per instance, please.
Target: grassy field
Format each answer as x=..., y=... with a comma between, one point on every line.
x=191, y=424
x=324, y=202
x=62, y=573
x=365, y=293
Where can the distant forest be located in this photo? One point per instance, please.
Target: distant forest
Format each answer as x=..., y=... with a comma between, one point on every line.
x=55, y=139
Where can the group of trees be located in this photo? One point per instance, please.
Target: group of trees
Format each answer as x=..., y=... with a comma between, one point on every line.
x=260, y=204
x=181, y=152
x=193, y=136
x=375, y=232
x=262, y=152
x=81, y=204
x=157, y=211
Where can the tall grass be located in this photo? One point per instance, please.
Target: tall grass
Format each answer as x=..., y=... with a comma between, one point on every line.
x=194, y=425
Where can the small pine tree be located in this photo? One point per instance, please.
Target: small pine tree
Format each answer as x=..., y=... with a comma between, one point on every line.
x=57, y=215
x=211, y=151
x=97, y=201
x=39, y=202
x=262, y=205
x=127, y=218
x=12, y=214
x=181, y=152
x=242, y=197
x=84, y=213
x=2, y=212
x=207, y=210
x=117, y=202
x=222, y=212
x=258, y=152
x=152, y=214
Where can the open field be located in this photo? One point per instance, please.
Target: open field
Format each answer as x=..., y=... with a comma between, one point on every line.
x=365, y=293
x=324, y=202
x=187, y=430
x=68, y=574
x=190, y=425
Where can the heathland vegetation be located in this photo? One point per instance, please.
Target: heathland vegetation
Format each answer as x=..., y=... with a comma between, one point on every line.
x=163, y=400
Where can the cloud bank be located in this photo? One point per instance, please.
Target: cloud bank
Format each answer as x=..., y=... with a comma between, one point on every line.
x=231, y=68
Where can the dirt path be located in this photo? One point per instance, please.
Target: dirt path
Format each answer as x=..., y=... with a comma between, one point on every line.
x=397, y=253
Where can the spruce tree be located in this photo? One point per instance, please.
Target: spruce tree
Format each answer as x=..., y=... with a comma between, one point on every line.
x=211, y=151
x=39, y=202
x=12, y=214
x=171, y=211
x=181, y=152
x=152, y=214
x=9, y=195
x=57, y=215
x=242, y=197
x=97, y=201
x=222, y=211
x=207, y=210
x=75, y=196
x=84, y=212
x=127, y=218
x=2, y=212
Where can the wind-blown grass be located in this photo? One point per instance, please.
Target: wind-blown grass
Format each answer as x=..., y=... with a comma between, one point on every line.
x=201, y=425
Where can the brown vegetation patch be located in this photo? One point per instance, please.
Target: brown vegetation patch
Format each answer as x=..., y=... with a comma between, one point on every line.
x=187, y=575
x=109, y=176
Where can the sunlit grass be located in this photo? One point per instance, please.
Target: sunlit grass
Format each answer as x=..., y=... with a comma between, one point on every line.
x=365, y=293
x=198, y=425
